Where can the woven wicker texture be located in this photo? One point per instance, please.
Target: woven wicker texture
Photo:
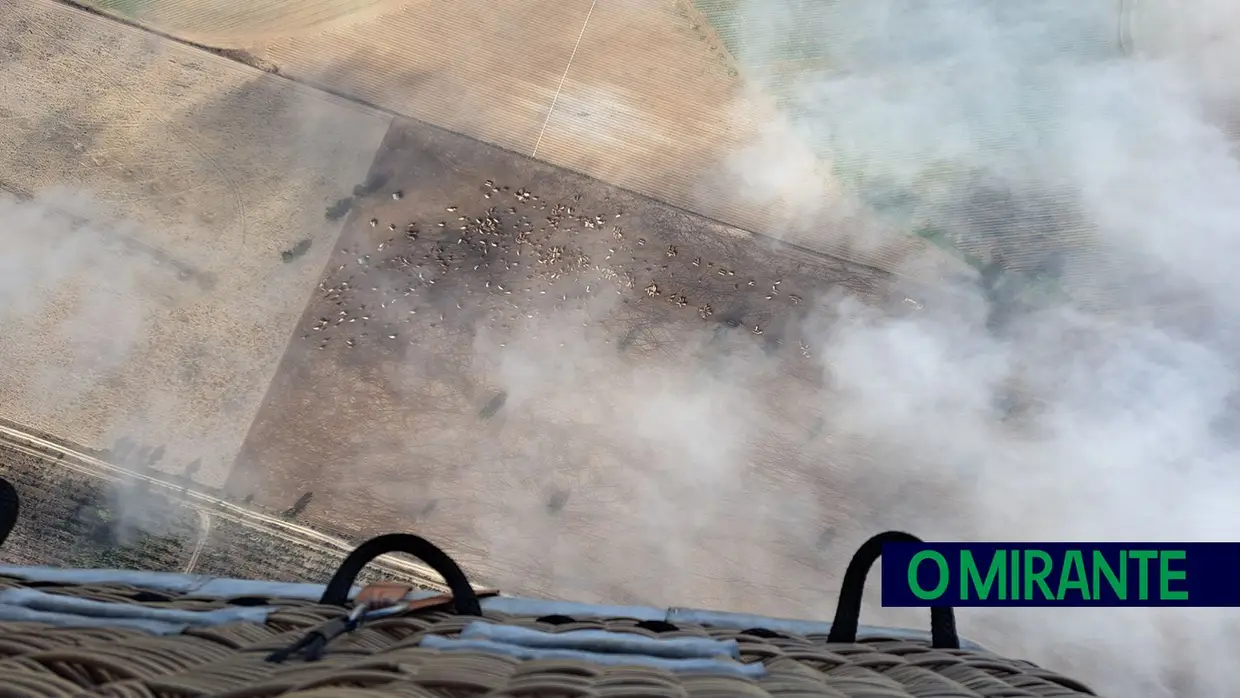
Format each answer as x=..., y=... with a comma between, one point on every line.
x=383, y=658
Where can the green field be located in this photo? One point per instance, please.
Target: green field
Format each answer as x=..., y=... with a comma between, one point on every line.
x=786, y=55
x=132, y=9
x=801, y=40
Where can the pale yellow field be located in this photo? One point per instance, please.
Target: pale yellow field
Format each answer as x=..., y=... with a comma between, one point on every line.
x=651, y=102
x=232, y=24
x=460, y=65
x=165, y=328
x=638, y=93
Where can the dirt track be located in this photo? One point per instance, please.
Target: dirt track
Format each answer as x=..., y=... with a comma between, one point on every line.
x=229, y=24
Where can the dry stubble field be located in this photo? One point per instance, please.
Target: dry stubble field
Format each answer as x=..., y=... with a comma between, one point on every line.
x=149, y=294
x=564, y=382
x=637, y=93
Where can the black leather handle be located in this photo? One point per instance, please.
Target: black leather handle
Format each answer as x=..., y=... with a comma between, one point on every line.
x=848, y=610
x=463, y=597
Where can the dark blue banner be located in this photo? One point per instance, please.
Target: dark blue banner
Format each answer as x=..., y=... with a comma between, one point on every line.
x=1061, y=574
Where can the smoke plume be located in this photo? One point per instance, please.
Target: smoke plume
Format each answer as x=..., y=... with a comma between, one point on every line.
x=1094, y=124
x=710, y=464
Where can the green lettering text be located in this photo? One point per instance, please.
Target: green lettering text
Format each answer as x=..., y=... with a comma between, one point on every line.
x=1143, y=572
x=971, y=575
x=1039, y=576
x=1102, y=568
x=944, y=575
x=1073, y=576
x=1166, y=575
